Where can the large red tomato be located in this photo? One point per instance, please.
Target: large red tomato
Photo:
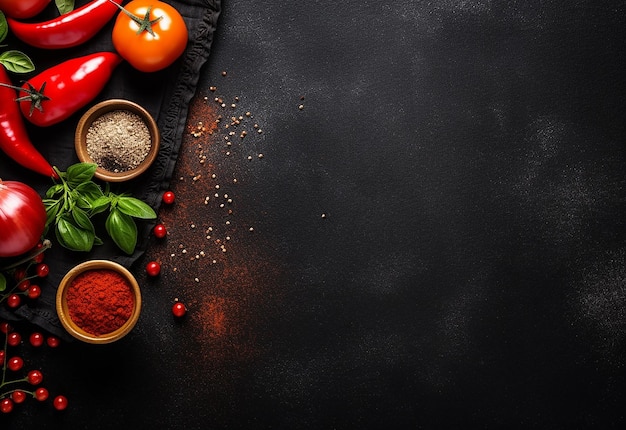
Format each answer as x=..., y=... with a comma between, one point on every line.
x=22, y=218
x=22, y=9
x=149, y=34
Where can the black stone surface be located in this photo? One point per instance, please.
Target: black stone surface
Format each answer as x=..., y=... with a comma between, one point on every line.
x=469, y=270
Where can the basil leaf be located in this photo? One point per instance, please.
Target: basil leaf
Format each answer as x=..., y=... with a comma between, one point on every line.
x=52, y=210
x=64, y=6
x=135, y=207
x=82, y=202
x=50, y=202
x=86, y=194
x=122, y=229
x=90, y=191
x=78, y=173
x=3, y=282
x=4, y=27
x=100, y=205
x=82, y=220
x=70, y=203
x=54, y=190
x=73, y=237
x=16, y=61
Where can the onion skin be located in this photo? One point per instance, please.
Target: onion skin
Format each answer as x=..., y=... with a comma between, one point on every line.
x=22, y=218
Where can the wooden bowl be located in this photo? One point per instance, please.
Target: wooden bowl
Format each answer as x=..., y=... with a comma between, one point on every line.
x=105, y=107
x=63, y=309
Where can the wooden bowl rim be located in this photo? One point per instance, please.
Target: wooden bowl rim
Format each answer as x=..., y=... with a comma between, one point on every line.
x=99, y=109
x=63, y=312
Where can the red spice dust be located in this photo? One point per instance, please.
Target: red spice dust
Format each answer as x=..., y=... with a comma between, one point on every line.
x=213, y=258
x=99, y=301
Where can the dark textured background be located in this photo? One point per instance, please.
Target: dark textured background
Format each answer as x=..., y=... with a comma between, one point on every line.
x=470, y=268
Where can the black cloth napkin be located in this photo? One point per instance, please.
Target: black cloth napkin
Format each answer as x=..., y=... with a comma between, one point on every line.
x=165, y=94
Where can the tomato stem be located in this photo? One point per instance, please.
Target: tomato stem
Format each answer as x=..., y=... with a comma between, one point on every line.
x=45, y=244
x=145, y=23
x=8, y=393
x=4, y=361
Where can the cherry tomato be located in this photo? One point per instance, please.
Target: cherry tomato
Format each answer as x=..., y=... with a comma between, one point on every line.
x=159, y=231
x=36, y=339
x=14, y=339
x=60, y=403
x=15, y=363
x=24, y=285
x=153, y=268
x=22, y=218
x=18, y=396
x=39, y=257
x=20, y=273
x=34, y=377
x=42, y=270
x=5, y=327
x=53, y=341
x=22, y=9
x=13, y=301
x=2, y=355
x=162, y=39
x=179, y=309
x=168, y=197
x=6, y=405
x=41, y=394
x=34, y=291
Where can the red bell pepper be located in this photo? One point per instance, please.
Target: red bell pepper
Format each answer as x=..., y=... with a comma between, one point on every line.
x=60, y=91
x=14, y=140
x=70, y=29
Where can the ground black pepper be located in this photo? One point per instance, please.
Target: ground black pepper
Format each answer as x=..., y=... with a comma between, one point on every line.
x=118, y=141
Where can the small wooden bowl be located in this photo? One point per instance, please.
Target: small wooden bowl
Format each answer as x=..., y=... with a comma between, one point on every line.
x=63, y=310
x=80, y=137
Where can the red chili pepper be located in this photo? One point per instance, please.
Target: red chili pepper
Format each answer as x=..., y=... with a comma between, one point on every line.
x=70, y=29
x=22, y=9
x=60, y=91
x=14, y=140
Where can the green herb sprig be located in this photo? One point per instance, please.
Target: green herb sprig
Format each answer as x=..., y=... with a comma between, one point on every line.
x=72, y=203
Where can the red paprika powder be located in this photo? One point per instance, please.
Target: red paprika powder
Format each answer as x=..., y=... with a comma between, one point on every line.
x=99, y=301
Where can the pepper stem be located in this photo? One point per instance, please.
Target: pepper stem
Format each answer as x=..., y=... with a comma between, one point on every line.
x=34, y=96
x=144, y=23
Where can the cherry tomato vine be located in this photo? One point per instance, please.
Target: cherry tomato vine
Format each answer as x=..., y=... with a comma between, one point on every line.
x=16, y=279
x=18, y=383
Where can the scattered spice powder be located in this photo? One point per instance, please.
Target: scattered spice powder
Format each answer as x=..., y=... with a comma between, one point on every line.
x=226, y=273
x=118, y=141
x=100, y=301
